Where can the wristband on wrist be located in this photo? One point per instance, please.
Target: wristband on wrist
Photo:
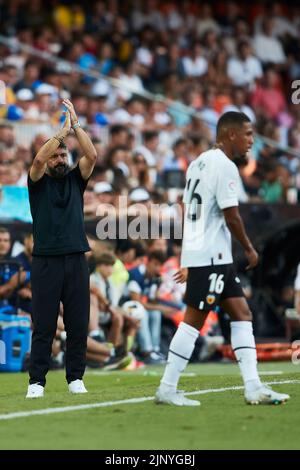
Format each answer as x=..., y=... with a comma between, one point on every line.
x=75, y=125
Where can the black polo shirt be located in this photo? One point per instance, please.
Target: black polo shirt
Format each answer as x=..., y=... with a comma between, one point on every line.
x=56, y=206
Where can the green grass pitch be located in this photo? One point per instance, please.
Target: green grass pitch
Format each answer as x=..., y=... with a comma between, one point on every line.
x=223, y=421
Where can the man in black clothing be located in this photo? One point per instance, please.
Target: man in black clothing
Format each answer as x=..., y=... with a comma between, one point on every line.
x=59, y=269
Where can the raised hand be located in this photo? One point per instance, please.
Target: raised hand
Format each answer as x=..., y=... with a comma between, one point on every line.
x=70, y=107
x=67, y=124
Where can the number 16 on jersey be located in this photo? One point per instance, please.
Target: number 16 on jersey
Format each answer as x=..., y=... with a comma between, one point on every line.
x=193, y=223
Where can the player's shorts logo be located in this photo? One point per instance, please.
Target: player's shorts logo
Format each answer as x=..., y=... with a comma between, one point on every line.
x=210, y=299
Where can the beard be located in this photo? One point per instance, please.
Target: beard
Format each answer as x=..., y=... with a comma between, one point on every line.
x=59, y=171
x=240, y=160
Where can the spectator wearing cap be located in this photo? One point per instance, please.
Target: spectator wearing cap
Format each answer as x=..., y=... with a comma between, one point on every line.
x=104, y=192
x=45, y=96
x=139, y=195
x=139, y=205
x=25, y=101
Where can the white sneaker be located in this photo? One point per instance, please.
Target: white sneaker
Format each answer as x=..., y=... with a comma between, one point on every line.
x=35, y=391
x=174, y=398
x=77, y=386
x=265, y=395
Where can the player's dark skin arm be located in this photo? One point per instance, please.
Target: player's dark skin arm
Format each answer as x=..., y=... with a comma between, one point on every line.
x=236, y=226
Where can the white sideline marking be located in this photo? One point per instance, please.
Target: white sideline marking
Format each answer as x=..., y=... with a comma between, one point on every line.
x=88, y=406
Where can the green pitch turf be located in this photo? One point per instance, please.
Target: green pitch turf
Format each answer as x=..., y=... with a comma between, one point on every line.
x=223, y=421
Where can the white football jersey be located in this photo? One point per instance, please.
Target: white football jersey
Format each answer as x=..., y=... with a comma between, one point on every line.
x=211, y=185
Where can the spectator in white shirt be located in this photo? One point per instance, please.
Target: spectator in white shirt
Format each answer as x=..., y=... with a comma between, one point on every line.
x=245, y=68
x=195, y=65
x=267, y=47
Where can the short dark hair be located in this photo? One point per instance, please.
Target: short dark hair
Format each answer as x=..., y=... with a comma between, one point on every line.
x=62, y=145
x=4, y=230
x=4, y=125
x=231, y=119
x=149, y=135
x=125, y=245
x=140, y=249
x=158, y=256
x=107, y=258
x=179, y=142
x=26, y=235
x=117, y=128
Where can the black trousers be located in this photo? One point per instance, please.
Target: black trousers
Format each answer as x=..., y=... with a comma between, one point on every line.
x=56, y=279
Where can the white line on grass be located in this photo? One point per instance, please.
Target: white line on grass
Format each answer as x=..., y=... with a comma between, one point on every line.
x=88, y=406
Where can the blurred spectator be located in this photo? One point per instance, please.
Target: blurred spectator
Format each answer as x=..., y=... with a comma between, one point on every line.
x=245, y=68
x=239, y=104
x=143, y=285
x=30, y=78
x=25, y=260
x=272, y=189
x=194, y=63
x=5, y=243
x=267, y=99
x=120, y=328
x=267, y=47
x=7, y=135
x=11, y=276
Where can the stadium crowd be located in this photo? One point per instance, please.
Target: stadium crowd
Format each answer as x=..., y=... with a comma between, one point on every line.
x=210, y=56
